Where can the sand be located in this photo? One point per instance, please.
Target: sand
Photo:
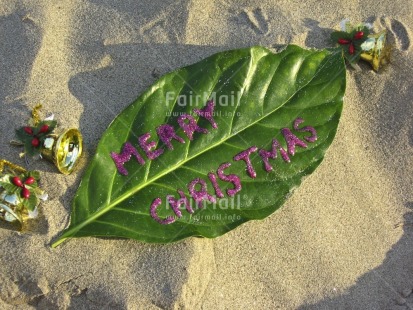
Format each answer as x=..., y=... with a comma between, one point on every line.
x=342, y=241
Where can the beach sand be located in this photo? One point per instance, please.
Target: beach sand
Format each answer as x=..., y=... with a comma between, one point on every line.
x=342, y=241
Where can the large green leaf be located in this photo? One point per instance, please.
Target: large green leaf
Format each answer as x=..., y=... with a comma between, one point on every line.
x=273, y=91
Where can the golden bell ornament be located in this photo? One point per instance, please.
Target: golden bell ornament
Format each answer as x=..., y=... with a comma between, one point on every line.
x=40, y=139
x=64, y=150
x=19, y=194
x=375, y=51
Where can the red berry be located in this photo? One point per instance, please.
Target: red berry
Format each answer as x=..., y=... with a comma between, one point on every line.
x=29, y=181
x=351, y=49
x=343, y=41
x=44, y=128
x=16, y=181
x=358, y=35
x=28, y=130
x=25, y=193
x=35, y=142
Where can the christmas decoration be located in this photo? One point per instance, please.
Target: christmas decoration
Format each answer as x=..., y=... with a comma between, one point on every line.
x=39, y=139
x=358, y=43
x=20, y=194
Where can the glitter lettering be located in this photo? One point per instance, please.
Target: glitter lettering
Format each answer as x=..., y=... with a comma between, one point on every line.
x=176, y=203
x=198, y=187
x=292, y=140
x=148, y=146
x=155, y=204
x=233, y=178
x=265, y=155
x=309, y=129
x=207, y=112
x=200, y=195
x=190, y=127
x=213, y=178
x=126, y=154
x=166, y=133
x=245, y=156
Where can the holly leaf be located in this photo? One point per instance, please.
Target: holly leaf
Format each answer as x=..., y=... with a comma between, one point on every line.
x=29, y=149
x=34, y=174
x=336, y=35
x=259, y=96
x=26, y=139
x=30, y=203
x=352, y=58
x=22, y=135
x=51, y=124
x=10, y=188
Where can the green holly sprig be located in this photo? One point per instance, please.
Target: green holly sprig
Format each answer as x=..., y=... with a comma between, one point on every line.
x=25, y=186
x=350, y=40
x=33, y=137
